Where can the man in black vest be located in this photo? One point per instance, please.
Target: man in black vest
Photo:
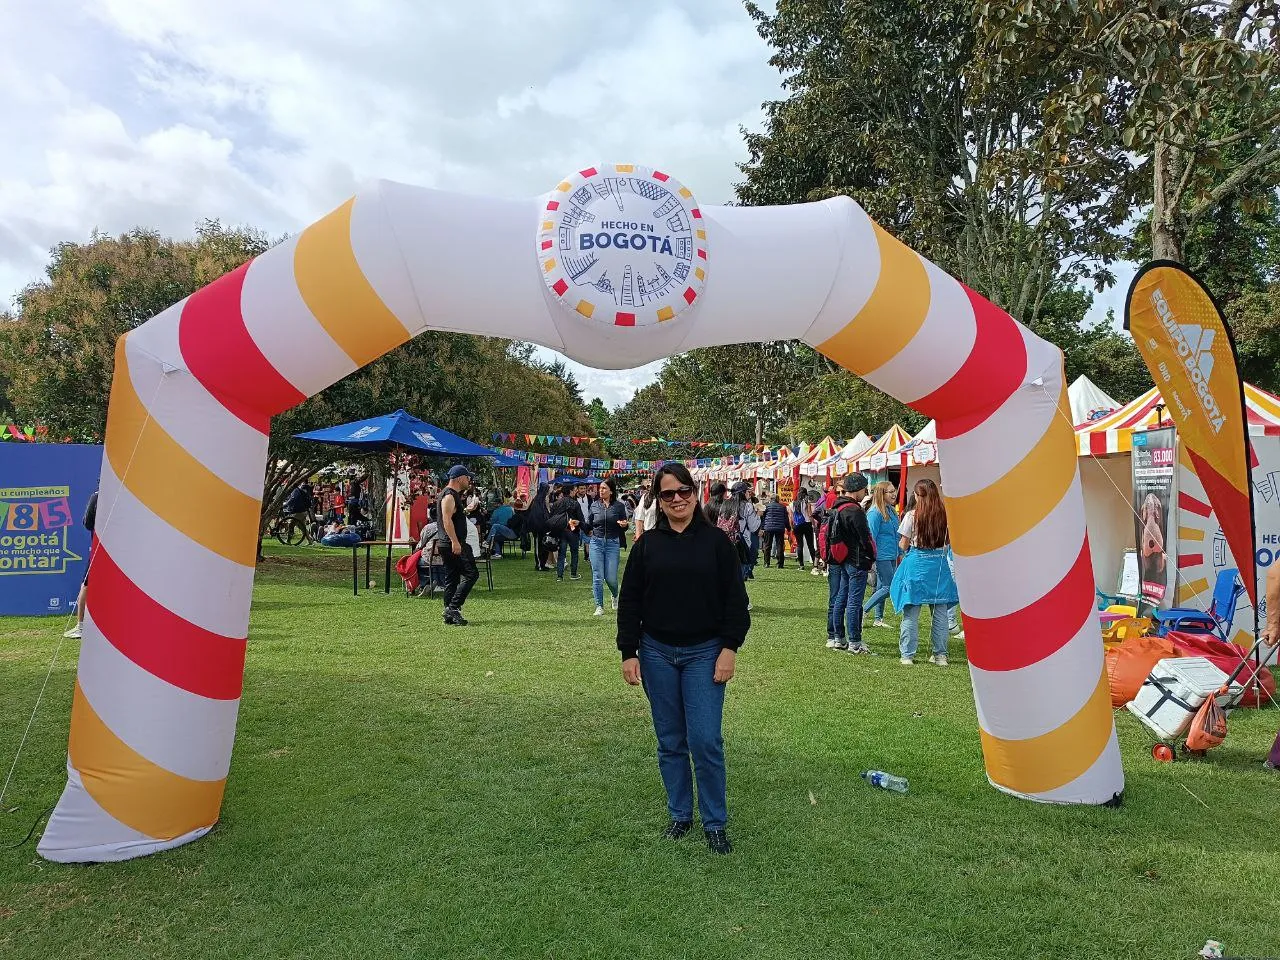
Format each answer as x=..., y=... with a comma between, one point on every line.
x=460, y=565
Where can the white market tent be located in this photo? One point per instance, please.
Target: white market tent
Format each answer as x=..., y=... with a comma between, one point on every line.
x=1105, y=449
x=1089, y=402
x=920, y=456
x=842, y=463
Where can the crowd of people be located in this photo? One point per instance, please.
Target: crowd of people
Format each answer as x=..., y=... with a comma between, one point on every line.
x=682, y=605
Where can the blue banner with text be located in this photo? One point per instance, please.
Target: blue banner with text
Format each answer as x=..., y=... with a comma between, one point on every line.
x=44, y=544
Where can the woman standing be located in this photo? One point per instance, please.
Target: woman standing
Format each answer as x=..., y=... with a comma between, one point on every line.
x=924, y=577
x=716, y=499
x=646, y=514
x=776, y=523
x=802, y=526
x=749, y=518
x=566, y=522
x=681, y=618
x=537, y=519
x=606, y=526
x=883, y=521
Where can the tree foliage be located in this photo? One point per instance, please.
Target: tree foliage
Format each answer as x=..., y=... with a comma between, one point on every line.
x=57, y=349
x=57, y=353
x=1255, y=321
x=1183, y=93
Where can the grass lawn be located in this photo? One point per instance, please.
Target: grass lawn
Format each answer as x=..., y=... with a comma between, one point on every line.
x=403, y=790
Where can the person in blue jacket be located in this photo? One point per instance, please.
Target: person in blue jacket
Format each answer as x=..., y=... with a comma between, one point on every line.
x=882, y=518
x=924, y=576
x=775, y=524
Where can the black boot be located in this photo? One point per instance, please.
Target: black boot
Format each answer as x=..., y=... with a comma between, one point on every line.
x=677, y=829
x=718, y=841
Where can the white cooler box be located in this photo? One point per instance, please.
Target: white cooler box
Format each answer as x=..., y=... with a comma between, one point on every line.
x=1175, y=690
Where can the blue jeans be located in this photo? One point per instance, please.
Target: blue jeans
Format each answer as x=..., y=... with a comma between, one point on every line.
x=909, y=632
x=846, y=586
x=500, y=534
x=884, y=577
x=688, y=708
x=753, y=553
x=569, y=542
x=604, y=553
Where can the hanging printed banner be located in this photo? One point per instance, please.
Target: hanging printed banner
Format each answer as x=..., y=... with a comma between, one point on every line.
x=1181, y=335
x=44, y=548
x=554, y=439
x=1153, y=469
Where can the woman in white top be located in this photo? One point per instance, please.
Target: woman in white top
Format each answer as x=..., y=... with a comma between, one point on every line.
x=646, y=515
x=924, y=576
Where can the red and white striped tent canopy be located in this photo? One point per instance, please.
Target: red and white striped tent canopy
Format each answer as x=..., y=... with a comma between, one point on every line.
x=923, y=447
x=783, y=457
x=1114, y=433
x=881, y=453
x=844, y=460
x=815, y=463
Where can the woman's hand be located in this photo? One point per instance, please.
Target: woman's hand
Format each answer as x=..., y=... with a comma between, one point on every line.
x=631, y=671
x=726, y=664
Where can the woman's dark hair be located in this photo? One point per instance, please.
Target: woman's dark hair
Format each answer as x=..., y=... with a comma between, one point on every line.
x=931, y=517
x=731, y=506
x=685, y=478
x=536, y=516
x=612, y=484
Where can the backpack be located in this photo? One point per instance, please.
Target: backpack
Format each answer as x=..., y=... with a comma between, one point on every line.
x=831, y=546
x=729, y=527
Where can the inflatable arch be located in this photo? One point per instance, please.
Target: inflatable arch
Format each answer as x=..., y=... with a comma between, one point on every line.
x=615, y=267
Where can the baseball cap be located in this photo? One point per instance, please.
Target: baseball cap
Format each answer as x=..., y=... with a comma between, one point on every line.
x=458, y=470
x=855, y=483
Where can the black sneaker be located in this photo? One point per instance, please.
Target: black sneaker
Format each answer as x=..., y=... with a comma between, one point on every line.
x=574, y=576
x=677, y=829
x=454, y=618
x=718, y=841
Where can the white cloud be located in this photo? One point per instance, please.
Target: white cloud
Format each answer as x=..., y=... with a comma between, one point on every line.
x=159, y=113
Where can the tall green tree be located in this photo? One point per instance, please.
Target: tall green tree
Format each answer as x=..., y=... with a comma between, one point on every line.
x=57, y=349
x=1255, y=321
x=882, y=106
x=884, y=103
x=57, y=354
x=1184, y=94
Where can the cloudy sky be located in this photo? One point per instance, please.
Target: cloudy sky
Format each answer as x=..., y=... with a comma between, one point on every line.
x=159, y=113
x=119, y=113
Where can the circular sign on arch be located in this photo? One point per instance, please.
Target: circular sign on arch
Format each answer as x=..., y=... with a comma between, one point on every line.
x=623, y=244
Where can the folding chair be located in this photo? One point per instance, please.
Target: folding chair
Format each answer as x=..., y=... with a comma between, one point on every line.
x=1227, y=590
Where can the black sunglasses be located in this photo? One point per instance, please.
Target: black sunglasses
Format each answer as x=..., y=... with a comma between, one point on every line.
x=684, y=493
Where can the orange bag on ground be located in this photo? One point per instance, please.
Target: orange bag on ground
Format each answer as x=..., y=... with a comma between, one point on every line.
x=1208, y=726
x=1130, y=663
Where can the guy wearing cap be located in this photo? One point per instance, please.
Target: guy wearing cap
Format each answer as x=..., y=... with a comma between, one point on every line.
x=459, y=562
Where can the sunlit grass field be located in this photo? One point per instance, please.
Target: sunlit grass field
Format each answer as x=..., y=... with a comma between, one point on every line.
x=400, y=789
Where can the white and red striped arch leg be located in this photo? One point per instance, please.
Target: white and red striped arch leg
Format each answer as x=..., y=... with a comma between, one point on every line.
x=162, y=661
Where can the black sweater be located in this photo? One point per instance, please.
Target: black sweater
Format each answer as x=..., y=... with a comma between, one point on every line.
x=682, y=589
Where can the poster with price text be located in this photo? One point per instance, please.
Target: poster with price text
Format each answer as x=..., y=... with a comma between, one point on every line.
x=1154, y=465
x=44, y=547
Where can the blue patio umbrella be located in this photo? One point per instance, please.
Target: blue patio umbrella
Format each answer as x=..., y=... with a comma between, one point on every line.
x=402, y=431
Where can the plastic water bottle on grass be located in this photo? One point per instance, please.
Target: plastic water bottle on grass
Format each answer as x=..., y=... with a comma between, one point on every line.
x=885, y=781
